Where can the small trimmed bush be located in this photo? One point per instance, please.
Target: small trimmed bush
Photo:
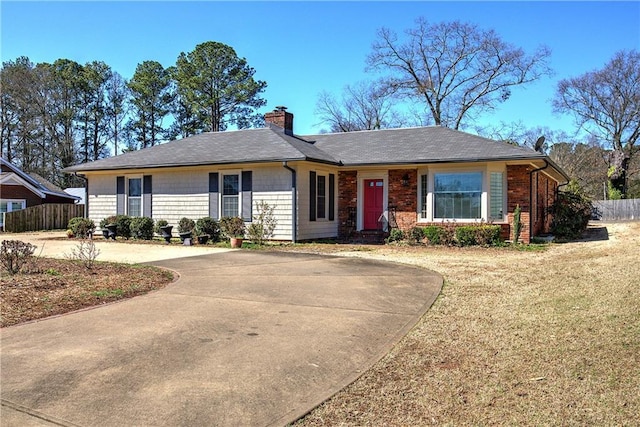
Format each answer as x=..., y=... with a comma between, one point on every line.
x=416, y=234
x=488, y=235
x=396, y=235
x=186, y=225
x=232, y=226
x=123, y=222
x=141, y=228
x=433, y=234
x=160, y=223
x=81, y=227
x=264, y=223
x=466, y=235
x=210, y=226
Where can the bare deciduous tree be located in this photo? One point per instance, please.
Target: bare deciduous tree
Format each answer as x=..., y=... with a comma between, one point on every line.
x=606, y=104
x=457, y=69
x=363, y=106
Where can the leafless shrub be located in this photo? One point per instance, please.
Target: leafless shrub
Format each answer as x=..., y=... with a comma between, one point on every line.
x=14, y=254
x=85, y=252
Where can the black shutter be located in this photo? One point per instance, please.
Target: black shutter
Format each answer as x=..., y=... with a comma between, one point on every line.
x=120, y=196
x=247, y=185
x=312, y=196
x=214, y=194
x=332, y=196
x=146, y=196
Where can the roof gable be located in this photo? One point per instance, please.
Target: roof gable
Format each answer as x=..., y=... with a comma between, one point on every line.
x=35, y=183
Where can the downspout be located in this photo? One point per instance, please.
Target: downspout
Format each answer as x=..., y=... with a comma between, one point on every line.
x=294, y=208
x=86, y=193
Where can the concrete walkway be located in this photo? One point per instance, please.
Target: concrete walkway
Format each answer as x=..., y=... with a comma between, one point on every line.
x=243, y=338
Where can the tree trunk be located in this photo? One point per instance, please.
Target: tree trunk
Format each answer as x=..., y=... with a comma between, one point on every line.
x=619, y=164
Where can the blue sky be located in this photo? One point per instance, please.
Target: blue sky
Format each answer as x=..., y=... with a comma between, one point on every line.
x=303, y=48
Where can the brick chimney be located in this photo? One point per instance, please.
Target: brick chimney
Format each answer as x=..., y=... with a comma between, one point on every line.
x=281, y=118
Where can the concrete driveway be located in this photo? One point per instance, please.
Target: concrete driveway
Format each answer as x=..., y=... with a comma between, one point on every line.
x=243, y=338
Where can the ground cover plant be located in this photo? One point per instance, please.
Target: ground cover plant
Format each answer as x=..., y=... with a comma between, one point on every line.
x=47, y=286
x=544, y=337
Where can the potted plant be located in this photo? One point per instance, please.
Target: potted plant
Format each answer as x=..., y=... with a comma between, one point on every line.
x=164, y=229
x=109, y=228
x=234, y=229
x=185, y=229
x=207, y=229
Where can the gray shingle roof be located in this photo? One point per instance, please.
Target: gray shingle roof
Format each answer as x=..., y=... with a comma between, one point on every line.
x=37, y=181
x=432, y=144
x=243, y=146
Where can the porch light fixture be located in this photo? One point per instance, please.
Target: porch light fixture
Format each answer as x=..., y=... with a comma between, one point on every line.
x=405, y=180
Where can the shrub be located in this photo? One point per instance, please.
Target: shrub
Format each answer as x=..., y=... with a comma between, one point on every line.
x=81, y=227
x=210, y=226
x=263, y=224
x=433, y=234
x=517, y=224
x=85, y=252
x=14, y=254
x=416, y=234
x=396, y=235
x=186, y=225
x=106, y=221
x=571, y=213
x=466, y=235
x=232, y=226
x=141, y=228
x=123, y=222
x=160, y=223
x=448, y=234
x=488, y=235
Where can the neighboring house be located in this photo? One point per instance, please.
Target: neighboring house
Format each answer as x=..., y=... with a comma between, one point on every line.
x=19, y=190
x=329, y=185
x=78, y=192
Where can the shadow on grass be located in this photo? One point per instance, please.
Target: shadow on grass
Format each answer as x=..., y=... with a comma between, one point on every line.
x=594, y=234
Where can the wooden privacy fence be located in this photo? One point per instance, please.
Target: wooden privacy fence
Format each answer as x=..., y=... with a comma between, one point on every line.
x=52, y=216
x=625, y=209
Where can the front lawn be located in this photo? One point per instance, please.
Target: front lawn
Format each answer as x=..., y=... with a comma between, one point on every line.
x=547, y=337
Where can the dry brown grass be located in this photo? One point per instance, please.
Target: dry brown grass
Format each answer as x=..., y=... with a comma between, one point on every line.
x=516, y=338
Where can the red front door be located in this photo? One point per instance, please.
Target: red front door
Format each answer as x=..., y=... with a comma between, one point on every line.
x=372, y=204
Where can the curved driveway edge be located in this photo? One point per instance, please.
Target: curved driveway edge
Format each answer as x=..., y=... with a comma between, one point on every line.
x=243, y=338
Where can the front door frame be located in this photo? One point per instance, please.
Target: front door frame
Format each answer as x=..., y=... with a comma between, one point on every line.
x=373, y=174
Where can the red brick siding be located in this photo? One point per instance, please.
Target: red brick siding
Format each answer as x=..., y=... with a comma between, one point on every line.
x=545, y=191
x=347, y=202
x=404, y=199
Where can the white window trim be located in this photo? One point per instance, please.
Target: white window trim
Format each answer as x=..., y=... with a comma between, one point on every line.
x=126, y=193
x=485, y=209
x=8, y=202
x=221, y=176
x=373, y=174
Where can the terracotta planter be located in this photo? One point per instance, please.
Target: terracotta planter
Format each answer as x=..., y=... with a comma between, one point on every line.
x=236, y=242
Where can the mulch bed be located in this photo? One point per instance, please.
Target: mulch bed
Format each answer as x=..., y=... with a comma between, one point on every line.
x=48, y=287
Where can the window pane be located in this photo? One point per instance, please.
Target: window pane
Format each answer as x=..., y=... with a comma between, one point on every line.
x=135, y=206
x=458, y=195
x=321, y=196
x=3, y=207
x=496, y=196
x=135, y=187
x=423, y=196
x=230, y=206
x=16, y=206
x=230, y=185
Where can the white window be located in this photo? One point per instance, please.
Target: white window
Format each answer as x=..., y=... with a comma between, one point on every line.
x=424, y=192
x=230, y=195
x=10, y=206
x=458, y=195
x=134, y=199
